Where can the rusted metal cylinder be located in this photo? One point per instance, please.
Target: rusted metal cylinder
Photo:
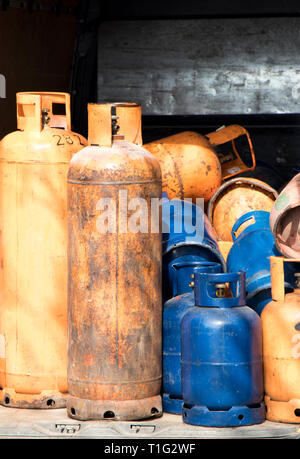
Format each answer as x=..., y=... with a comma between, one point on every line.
x=281, y=354
x=236, y=198
x=190, y=167
x=115, y=299
x=193, y=166
x=285, y=219
x=34, y=163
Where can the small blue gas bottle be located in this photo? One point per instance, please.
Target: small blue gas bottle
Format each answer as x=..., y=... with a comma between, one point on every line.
x=221, y=346
x=188, y=238
x=174, y=310
x=253, y=245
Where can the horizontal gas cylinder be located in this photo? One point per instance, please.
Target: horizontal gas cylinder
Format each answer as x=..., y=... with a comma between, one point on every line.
x=281, y=348
x=34, y=164
x=191, y=166
x=221, y=347
x=234, y=199
x=188, y=239
x=174, y=311
x=285, y=219
x=115, y=301
x=253, y=245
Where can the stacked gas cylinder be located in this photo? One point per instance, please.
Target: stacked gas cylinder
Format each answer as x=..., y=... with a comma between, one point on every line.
x=214, y=346
x=81, y=319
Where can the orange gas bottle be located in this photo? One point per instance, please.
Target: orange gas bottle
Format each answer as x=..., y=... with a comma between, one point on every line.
x=192, y=168
x=234, y=199
x=33, y=248
x=115, y=298
x=281, y=348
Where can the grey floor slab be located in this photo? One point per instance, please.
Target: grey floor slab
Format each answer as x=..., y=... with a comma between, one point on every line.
x=56, y=424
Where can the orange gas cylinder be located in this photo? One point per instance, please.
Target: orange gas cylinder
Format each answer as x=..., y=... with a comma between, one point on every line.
x=234, y=199
x=192, y=168
x=281, y=348
x=115, y=298
x=33, y=239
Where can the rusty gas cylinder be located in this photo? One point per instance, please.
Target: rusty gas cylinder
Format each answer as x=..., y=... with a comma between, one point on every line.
x=281, y=348
x=285, y=219
x=235, y=198
x=34, y=163
x=115, y=302
x=190, y=167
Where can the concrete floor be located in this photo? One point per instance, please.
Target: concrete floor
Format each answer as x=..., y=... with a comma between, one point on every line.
x=56, y=424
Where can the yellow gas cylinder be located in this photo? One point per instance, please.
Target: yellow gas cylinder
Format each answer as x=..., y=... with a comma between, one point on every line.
x=281, y=348
x=234, y=199
x=33, y=249
x=192, y=167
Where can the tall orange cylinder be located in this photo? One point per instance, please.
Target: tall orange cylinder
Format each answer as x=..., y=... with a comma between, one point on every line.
x=281, y=349
x=115, y=310
x=33, y=249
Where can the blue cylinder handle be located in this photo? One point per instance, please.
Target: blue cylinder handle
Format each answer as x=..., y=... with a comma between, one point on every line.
x=206, y=288
x=192, y=266
x=258, y=216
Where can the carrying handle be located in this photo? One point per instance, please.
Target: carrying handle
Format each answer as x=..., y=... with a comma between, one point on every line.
x=196, y=266
x=36, y=110
x=128, y=118
x=205, y=284
x=230, y=134
x=277, y=276
x=259, y=217
x=239, y=222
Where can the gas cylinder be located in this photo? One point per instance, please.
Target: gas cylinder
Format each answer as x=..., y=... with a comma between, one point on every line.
x=33, y=235
x=188, y=239
x=285, y=219
x=281, y=348
x=115, y=303
x=174, y=311
x=221, y=347
x=234, y=199
x=253, y=245
x=231, y=162
x=192, y=168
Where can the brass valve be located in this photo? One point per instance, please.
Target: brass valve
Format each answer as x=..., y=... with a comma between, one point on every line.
x=220, y=290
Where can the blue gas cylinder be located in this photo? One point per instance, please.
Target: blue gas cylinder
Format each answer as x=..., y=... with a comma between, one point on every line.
x=221, y=346
x=174, y=310
x=250, y=253
x=188, y=238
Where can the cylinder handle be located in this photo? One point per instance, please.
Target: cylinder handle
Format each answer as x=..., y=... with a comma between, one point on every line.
x=210, y=290
x=36, y=110
x=109, y=119
x=255, y=216
x=277, y=276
